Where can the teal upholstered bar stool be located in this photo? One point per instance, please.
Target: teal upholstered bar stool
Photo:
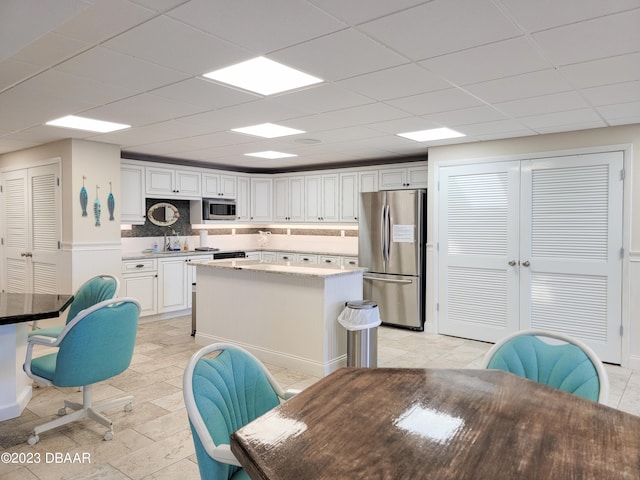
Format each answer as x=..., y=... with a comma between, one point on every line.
x=222, y=394
x=561, y=362
x=94, y=290
x=96, y=345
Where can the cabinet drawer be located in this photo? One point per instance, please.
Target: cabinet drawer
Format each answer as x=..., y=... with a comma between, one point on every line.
x=328, y=260
x=305, y=258
x=142, y=265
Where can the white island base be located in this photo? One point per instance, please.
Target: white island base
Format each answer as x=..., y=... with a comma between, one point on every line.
x=286, y=315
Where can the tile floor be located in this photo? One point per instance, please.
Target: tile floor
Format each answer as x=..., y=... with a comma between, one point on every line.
x=153, y=442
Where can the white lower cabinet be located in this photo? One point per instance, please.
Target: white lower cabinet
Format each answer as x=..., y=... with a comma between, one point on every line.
x=160, y=285
x=254, y=255
x=140, y=281
x=172, y=281
x=285, y=257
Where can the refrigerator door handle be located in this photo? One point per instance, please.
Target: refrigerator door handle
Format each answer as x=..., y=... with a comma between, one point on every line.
x=388, y=280
x=387, y=233
x=383, y=233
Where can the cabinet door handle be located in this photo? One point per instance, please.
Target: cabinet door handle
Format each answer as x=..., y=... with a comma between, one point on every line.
x=512, y=263
x=140, y=265
x=526, y=263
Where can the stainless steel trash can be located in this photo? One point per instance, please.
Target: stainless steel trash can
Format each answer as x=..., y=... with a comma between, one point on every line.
x=361, y=319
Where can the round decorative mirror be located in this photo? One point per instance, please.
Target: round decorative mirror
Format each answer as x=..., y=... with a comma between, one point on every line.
x=163, y=214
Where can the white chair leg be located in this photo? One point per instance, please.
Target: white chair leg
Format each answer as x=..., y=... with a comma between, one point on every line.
x=86, y=410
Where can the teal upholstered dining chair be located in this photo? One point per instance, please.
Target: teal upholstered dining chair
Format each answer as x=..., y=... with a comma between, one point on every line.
x=223, y=394
x=96, y=345
x=94, y=290
x=561, y=362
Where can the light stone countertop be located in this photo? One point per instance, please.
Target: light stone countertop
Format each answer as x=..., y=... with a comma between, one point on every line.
x=141, y=255
x=281, y=268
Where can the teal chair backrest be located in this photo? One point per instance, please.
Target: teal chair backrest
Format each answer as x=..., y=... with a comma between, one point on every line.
x=565, y=367
x=99, y=346
x=230, y=391
x=95, y=290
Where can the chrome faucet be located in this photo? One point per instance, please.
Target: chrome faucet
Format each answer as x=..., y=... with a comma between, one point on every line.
x=166, y=245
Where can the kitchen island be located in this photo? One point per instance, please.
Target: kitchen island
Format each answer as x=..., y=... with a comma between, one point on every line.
x=285, y=314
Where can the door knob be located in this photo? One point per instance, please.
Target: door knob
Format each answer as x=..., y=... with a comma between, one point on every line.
x=512, y=263
x=526, y=263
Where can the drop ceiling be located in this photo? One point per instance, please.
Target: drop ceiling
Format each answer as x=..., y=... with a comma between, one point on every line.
x=489, y=69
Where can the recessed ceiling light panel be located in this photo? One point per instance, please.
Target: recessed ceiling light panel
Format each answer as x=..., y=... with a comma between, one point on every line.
x=430, y=135
x=263, y=76
x=270, y=154
x=268, y=130
x=87, y=124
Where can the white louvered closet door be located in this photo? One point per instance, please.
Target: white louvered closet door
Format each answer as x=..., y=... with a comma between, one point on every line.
x=32, y=224
x=478, y=236
x=533, y=244
x=571, y=231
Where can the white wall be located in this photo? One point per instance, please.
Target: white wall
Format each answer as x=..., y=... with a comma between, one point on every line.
x=626, y=138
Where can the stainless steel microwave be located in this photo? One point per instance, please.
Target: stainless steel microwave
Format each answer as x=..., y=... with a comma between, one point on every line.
x=218, y=209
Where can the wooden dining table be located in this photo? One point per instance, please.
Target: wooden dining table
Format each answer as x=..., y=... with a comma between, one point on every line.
x=387, y=423
x=16, y=310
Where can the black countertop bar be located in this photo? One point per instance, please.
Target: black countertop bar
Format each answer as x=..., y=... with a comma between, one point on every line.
x=25, y=307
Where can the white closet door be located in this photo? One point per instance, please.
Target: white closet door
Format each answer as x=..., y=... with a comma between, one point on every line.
x=478, y=238
x=16, y=231
x=45, y=228
x=32, y=229
x=571, y=231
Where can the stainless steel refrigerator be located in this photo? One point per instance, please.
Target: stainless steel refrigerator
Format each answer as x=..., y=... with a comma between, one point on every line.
x=391, y=245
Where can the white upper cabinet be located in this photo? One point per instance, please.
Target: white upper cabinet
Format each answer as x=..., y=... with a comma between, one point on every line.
x=322, y=195
x=288, y=196
x=132, y=191
x=243, y=212
x=173, y=183
x=351, y=185
x=214, y=185
x=404, y=178
x=261, y=199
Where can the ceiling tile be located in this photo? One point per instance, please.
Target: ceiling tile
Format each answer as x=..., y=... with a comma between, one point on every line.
x=441, y=26
x=465, y=116
x=322, y=98
x=143, y=109
x=613, y=94
x=354, y=12
x=103, y=19
x=560, y=120
x=166, y=41
x=433, y=102
x=258, y=25
x=50, y=50
x=159, y=5
x=627, y=112
x=410, y=124
x=13, y=71
x=520, y=86
x=488, y=62
x=544, y=14
x=556, y=102
x=402, y=81
x=113, y=68
x=65, y=85
x=200, y=91
x=340, y=55
x=623, y=68
x=22, y=23
x=488, y=128
x=592, y=39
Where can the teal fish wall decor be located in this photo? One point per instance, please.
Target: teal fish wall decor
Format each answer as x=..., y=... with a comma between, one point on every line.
x=96, y=208
x=111, y=203
x=84, y=198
